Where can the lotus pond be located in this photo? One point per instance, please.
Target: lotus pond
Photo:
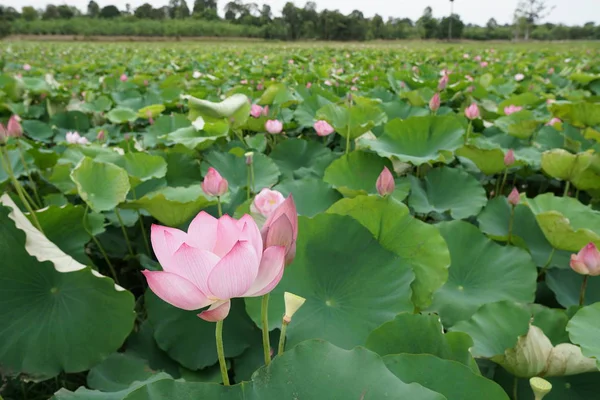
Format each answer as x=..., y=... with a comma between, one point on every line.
x=428, y=214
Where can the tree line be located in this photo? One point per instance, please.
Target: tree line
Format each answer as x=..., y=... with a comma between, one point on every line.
x=178, y=18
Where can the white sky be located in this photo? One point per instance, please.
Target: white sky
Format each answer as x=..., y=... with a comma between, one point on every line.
x=569, y=12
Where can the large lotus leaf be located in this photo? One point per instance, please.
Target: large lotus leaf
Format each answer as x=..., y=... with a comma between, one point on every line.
x=235, y=170
x=419, y=140
x=454, y=380
x=356, y=173
x=190, y=340
x=351, y=284
x=71, y=121
x=151, y=111
x=173, y=206
x=117, y=372
x=298, y=158
x=523, y=99
x=420, y=334
x=489, y=161
x=418, y=244
x=566, y=285
x=567, y=224
x=200, y=140
x=581, y=114
x=526, y=233
x=14, y=160
x=311, y=195
x=121, y=115
x=447, y=190
x=352, y=121
x=101, y=185
x=225, y=109
x=521, y=124
x=306, y=113
x=142, y=344
x=579, y=168
x=278, y=94
x=312, y=370
x=84, y=393
x=584, y=330
x=143, y=166
x=182, y=169
x=57, y=314
x=38, y=130
x=481, y=272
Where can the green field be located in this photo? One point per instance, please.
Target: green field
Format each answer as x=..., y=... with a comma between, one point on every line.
x=444, y=235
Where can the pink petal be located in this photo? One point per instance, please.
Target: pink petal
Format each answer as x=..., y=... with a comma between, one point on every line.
x=202, y=232
x=165, y=241
x=234, y=274
x=288, y=207
x=228, y=233
x=281, y=233
x=176, y=290
x=195, y=265
x=270, y=272
x=251, y=233
x=217, y=312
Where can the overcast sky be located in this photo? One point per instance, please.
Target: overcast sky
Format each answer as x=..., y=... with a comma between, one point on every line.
x=569, y=12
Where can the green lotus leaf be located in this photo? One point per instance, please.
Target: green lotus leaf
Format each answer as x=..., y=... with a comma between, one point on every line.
x=523, y=99
x=418, y=244
x=481, y=272
x=236, y=108
x=200, y=140
x=71, y=121
x=84, y=393
x=151, y=111
x=521, y=124
x=580, y=169
x=142, y=167
x=117, y=372
x=101, y=185
x=235, y=170
x=38, y=130
x=352, y=121
x=16, y=165
x=121, y=115
x=566, y=285
x=346, y=298
x=579, y=114
x=356, y=173
x=489, y=161
x=573, y=387
x=298, y=158
x=419, y=140
x=583, y=330
x=311, y=195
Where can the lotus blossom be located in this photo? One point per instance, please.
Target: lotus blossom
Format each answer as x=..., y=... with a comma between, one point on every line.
x=469, y=78
x=266, y=202
x=434, y=103
x=328, y=82
x=26, y=67
x=509, y=158
x=385, y=182
x=308, y=85
x=244, y=81
x=472, y=112
x=519, y=77
x=554, y=121
x=215, y=261
x=123, y=78
x=466, y=56
x=196, y=74
x=281, y=229
x=550, y=71
x=14, y=128
x=274, y=126
x=484, y=64
x=514, y=198
x=257, y=111
x=75, y=138
x=512, y=109
x=477, y=58
x=443, y=82
x=587, y=261
x=214, y=184
x=101, y=135
x=323, y=128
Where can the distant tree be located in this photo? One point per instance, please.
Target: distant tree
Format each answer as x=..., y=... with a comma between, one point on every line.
x=67, y=12
x=377, y=27
x=145, y=11
x=109, y=12
x=93, y=9
x=428, y=24
x=51, y=12
x=234, y=10
x=265, y=14
x=29, y=13
x=8, y=14
x=458, y=27
x=530, y=12
x=292, y=20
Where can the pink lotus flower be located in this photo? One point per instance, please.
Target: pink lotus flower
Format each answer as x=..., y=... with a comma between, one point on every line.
x=519, y=77
x=477, y=58
x=509, y=158
x=146, y=82
x=434, y=103
x=274, y=126
x=514, y=198
x=355, y=79
x=260, y=86
x=123, y=78
x=266, y=202
x=443, y=83
x=385, y=182
x=587, y=261
x=512, y=109
x=26, y=67
x=256, y=111
x=484, y=64
x=472, y=112
x=323, y=128
x=308, y=85
x=554, y=121
x=14, y=128
x=215, y=261
x=469, y=78
x=244, y=81
x=214, y=184
x=353, y=88
x=281, y=229
x=466, y=56
x=101, y=136
x=290, y=61
x=550, y=71
x=75, y=138
x=327, y=83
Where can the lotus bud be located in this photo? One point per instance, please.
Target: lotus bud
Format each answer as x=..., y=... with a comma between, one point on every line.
x=123, y=78
x=26, y=67
x=292, y=304
x=472, y=112
x=323, y=128
x=274, y=126
x=514, y=198
x=266, y=202
x=509, y=158
x=434, y=103
x=443, y=83
x=101, y=135
x=519, y=77
x=13, y=128
x=256, y=111
x=214, y=184
x=249, y=156
x=385, y=182
x=540, y=387
x=587, y=261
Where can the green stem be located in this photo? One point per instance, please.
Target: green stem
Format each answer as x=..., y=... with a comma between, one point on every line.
x=348, y=142
x=219, y=208
x=142, y=227
x=516, y=388
x=547, y=265
x=468, y=132
x=582, y=290
x=97, y=242
x=282, y=338
x=37, y=204
x=124, y=230
x=567, y=187
x=221, y=352
x=510, y=223
x=264, y=310
x=248, y=181
x=503, y=182
x=252, y=177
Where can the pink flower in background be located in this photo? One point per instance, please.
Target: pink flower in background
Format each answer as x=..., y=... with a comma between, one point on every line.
x=550, y=101
x=244, y=81
x=327, y=83
x=145, y=82
x=75, y=138
x=469, y=78
x=385, y=182
x=266, y=202
x=550, y=71
x=323, y=128
x=256, y=111
x=215, y=261
x=149, y=116
x=214, y=184
x=26, y=67
x=260, y=86
x=308, y=85
x=13, y=127
x=3, y=133
x=355, y=79
x=101, y=135
x=484, y=64
x=353, y=88
x=477, y=58
x=443, y=82
x=434, y=103
x=512, y=109
x=281, y=229
x=274, y=126
x=466, y=56
x=415, y=69
x=519, y=77
x=554, y=121
x=290, y=61
x=509, y=158
x=514, y=198
x=123, y=78
x=472, y=112
x=587, y=261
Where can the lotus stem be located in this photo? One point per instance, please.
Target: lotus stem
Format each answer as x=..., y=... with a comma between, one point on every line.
x=97, y=242
x=38, y=203
x=503, y=182
x=221, y=352
x=567, y=187
x=282, y=337
x=264, y=310
x=142, y=227
x=516, y=388
x=248, y=181
x=124, y=230
x=582, y=290
x=468, y=132
x=219, y=208
x=510, y=223
x=545, y=267
x=348, y=141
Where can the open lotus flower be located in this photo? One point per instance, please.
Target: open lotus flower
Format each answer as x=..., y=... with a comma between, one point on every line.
x=266, y=202
x=215, y=261
x=323, y=128
x=281, y=229
x=587, y=261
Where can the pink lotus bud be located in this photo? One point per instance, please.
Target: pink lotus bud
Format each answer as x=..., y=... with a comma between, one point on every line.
x=327, y=83
x=308, y=85
x=519, y=77
x=244, y=81
x=415, y=69
x=514, y=198
x=101, y=135
x=554, y=121
x=472, y=112
x=443, y=83
x=466, y=56
x=551, y=71
x=123, y=78
x=265, y=111
x=469, y=78
x=353, y=88
x=281, y=229
x=26, y=67
x=509, y=158
x=260, y=86
x=256, y=110
x=512, y=109
x=385, y=182
x=274, y=126
x=266, y=202
x=13, y=128
x=484, y=64
x=355, y=79
x=290, y=61
x=587, y=261
x=477, y=58
x=323, y=128
x=146, y=82
x=434, y=103
x=214, y=184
